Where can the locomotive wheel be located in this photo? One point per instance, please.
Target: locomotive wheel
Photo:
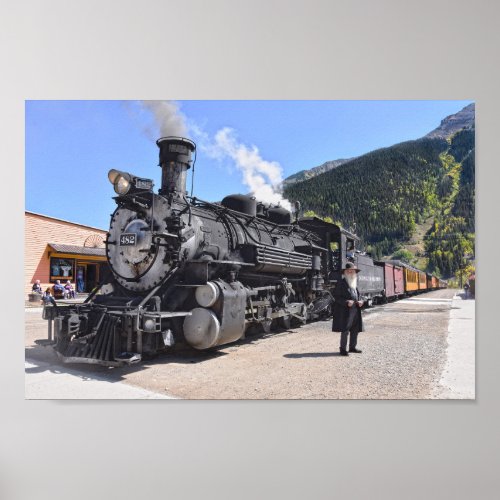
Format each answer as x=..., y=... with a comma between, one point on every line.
x=275, y=325
x=253, y=329
x=267, y=326
x=327, y=313
x=285, y=322
x=296, y=322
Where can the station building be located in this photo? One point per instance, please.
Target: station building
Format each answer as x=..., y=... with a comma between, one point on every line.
x=56, y=249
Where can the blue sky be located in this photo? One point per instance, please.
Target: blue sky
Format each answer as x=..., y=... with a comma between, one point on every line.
x=71, y=145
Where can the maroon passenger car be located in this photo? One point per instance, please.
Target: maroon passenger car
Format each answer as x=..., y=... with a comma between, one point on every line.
x=394, y=280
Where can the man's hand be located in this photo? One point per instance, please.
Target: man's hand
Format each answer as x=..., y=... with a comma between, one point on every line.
x=350, y=303
x=360, y=303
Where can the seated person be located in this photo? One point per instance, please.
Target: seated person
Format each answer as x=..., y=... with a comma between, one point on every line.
x=69, y=290
x=47, y=297
x=59, y=290
x=37, y=288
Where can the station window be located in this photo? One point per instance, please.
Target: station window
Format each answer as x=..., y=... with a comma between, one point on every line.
x=61, y=269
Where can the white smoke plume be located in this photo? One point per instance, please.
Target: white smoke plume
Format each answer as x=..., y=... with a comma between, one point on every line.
x=168, y=119
x=262, y=177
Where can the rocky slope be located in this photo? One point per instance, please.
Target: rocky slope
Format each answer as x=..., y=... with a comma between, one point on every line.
x=303, y=175
x=453, y=123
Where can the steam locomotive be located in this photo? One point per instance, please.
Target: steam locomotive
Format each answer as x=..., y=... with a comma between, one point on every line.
x=186, y=271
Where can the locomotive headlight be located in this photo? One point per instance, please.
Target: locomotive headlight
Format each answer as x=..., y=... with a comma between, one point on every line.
x=121, y=181
x=122, y=185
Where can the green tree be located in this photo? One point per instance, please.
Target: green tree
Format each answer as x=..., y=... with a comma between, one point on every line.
x=404, y=255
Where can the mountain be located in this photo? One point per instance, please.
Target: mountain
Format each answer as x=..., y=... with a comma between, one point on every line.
x=450, y=125
x=415, y=197
x=307, y=174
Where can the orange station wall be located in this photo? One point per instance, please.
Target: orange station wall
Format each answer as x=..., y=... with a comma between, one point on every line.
x=39, y=230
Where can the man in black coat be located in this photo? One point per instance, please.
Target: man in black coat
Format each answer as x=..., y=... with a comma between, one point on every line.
x=347, y=310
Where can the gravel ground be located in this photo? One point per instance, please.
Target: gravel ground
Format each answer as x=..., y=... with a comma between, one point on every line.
x=404, y=351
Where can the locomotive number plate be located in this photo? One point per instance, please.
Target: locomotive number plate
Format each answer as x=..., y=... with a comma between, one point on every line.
x=127, y=239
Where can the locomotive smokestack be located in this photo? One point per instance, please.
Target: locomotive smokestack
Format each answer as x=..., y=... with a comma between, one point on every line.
x=175, y=159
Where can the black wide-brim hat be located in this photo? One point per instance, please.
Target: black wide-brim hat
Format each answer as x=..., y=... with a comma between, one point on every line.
x=350, y=265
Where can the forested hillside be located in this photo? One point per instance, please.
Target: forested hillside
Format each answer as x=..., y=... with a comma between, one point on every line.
x=450, y=241
x=384, y=195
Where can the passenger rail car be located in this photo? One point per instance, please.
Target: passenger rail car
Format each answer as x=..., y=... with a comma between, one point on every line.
x=394, y=283
x=415, y=280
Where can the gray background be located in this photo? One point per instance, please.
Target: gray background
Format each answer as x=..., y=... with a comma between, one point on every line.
x=248, y=50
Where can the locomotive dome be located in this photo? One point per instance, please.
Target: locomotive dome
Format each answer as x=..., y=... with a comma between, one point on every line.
x=242, y=203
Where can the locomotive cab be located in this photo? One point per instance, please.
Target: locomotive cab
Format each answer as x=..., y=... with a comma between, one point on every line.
x=339, y=243
x=342, y=248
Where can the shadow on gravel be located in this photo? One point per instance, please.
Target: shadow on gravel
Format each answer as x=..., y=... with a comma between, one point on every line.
x=36, y=369
x=40, y=353
x=312, y=355
x=185, y=356
x=51, y=363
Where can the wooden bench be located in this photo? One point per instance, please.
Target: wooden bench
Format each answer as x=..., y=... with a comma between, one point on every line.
x=58, y=294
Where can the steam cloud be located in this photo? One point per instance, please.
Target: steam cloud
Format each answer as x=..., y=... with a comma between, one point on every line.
x=168, y=119
x=263, y=178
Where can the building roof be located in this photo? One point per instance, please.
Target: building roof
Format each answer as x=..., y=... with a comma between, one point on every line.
x=60, y=248
x=63, y=220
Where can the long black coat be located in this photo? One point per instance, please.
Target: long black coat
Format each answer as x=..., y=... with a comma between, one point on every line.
x=341, y=310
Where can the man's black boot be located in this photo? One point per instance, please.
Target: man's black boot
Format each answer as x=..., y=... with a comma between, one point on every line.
x=343, y=352
x=353, y=349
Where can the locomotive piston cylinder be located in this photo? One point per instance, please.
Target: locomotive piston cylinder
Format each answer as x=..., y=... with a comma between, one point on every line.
x=202, y=328
x=207, y=295
x=223, y=324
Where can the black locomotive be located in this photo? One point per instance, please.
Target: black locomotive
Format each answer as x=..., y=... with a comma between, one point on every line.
x=185, y=271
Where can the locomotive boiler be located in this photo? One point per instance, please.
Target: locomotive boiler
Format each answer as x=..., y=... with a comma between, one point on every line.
x=186, y=271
